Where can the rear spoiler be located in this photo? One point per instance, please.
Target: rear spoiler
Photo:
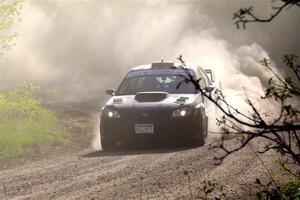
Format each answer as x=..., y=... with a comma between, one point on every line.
x=210, y=74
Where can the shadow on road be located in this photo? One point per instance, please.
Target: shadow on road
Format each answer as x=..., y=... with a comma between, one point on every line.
x=138, y=149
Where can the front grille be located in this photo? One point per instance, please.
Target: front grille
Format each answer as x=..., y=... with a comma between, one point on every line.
x=146, y=114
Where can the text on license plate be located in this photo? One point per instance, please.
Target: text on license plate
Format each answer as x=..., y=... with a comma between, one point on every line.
x=144, y=128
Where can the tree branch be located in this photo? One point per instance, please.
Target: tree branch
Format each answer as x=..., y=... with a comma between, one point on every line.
x=242, y=16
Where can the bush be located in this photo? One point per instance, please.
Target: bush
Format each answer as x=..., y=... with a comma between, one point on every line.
x=289, y=190
x=25, y=124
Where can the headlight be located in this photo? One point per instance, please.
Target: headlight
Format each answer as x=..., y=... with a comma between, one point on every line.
x=182, y=112
x=112, y=113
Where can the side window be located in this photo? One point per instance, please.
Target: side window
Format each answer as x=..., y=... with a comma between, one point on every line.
x=132, y=85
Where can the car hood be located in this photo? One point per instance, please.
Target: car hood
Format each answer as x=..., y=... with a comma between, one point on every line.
x=142, y=100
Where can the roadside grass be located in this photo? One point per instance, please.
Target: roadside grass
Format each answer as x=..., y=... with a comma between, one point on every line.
x=25, y=125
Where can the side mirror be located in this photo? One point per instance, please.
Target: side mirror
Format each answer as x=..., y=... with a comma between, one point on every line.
x=110, y=92
x=210, y=74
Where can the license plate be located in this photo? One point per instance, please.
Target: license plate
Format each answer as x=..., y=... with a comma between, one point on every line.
x=144, y=128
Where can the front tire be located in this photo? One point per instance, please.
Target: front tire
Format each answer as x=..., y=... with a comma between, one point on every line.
x=199, y=142
x=108, y=145
x=202, y=131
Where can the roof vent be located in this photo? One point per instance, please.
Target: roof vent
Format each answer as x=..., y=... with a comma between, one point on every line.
x=162, y=65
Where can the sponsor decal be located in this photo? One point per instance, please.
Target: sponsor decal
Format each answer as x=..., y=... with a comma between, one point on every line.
x=158, y=72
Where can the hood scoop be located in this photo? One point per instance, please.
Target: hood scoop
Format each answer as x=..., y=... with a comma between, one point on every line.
x=150, y=96
x=181, y=100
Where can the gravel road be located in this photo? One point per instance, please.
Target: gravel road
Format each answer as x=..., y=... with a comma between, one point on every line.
x=152, y=172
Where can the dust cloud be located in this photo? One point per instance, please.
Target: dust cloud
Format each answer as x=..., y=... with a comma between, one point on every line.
x=89, y=45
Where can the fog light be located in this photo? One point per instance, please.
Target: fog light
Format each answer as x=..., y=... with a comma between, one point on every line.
x=182, y=112
x=112, y=113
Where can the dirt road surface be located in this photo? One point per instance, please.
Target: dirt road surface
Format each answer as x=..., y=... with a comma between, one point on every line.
x=152, y=172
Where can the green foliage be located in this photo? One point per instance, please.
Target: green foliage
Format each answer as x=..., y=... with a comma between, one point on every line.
x=284, y=89
x=25, y=124
x=288, y=190
x=9, y=15
x=283, y=126
x=277, y=189
x=52, y=92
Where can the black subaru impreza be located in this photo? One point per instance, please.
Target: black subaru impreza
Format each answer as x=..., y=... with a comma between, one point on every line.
x=155, y=102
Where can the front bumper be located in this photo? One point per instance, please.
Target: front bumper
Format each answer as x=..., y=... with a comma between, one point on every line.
x=165, y=127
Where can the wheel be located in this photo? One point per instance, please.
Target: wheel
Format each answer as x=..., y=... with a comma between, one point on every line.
x=202, y=133
x=108, y=145
x=205, y=130
x=199, y=142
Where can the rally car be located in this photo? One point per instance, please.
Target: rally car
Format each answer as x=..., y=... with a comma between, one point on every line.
x=156, y=102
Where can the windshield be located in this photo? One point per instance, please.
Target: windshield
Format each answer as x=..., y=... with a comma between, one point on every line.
x=173, y=84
